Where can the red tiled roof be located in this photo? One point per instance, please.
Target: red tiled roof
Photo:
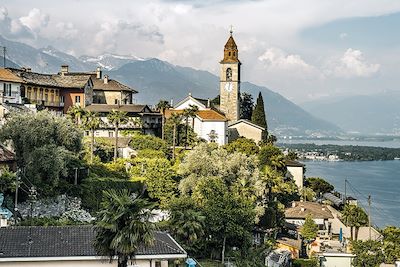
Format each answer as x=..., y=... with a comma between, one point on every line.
x=8, y=76
x=205, y=115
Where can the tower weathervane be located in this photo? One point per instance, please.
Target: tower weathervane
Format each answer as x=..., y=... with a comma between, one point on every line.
x=231, y=31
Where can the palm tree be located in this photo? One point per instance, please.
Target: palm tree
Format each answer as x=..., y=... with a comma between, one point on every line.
x=116, y=118
x=188, y=224
x=175, y=120
x=91, y=122
x=76, y=113
x=123, y=225
x=278, y=161
x=354, y=217
x=162, y=106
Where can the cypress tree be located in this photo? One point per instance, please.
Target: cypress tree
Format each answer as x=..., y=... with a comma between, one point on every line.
x=258, y=116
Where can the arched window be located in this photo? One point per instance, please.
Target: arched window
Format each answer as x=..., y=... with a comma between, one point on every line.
x=229, y=74
x=229, y=53
x=234, y=54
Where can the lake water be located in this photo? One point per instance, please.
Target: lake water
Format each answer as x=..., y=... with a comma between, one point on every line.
x=391, y=144
x=380, y=179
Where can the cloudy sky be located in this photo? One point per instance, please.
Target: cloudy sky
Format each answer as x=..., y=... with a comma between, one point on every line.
x=303, y=49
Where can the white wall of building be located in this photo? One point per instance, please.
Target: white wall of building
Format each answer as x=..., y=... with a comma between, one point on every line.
x=336, y=260
x=187, y=104
x=297, y=174
x=15, y=97
x=203, y=129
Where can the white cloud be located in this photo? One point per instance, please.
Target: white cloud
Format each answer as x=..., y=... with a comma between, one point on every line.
x=352, y=64
x=35, y=20
x=277, y=59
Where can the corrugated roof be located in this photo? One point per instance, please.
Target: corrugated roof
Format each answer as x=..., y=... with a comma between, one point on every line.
x=68, y=241
x=316, y=210
x=9, y=76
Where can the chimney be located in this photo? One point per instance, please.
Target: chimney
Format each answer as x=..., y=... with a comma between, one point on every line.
x=98, y=73
x=208, y=103
x=293, y=204
x=64, y=70
x=302, y=208
x=172, y=102
x=323, y=208
x=105, y=79
x=28, y=70
x=3, y=221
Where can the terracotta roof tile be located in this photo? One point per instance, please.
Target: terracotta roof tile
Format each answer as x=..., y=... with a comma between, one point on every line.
x=205, y=115
x=316, y=210
x=9, y=76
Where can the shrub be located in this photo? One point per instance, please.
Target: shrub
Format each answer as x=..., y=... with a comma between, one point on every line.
x=92, y=190
x=141, y=142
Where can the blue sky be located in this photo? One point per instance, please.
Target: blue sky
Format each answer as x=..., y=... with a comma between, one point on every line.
x=303, y=49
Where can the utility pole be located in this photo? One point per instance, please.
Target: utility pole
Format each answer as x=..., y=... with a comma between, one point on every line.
x=16, y=190
x=369, y=215
x=4, y=56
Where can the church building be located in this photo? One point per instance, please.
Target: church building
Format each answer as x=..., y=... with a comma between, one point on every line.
x=221, y=123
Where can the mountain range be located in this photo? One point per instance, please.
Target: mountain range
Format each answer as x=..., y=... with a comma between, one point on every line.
x=156, y=79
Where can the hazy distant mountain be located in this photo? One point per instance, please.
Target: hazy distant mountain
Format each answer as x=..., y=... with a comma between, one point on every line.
x=378, y=113
x=156, y=79
x=109, y=61
x=46, y=60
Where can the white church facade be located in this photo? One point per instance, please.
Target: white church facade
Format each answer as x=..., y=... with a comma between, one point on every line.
x=221, y=123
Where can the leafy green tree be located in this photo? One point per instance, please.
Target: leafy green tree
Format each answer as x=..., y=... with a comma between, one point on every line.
x=122, y=226
x=158, y=177
x=318, y=185
x=391, y=241
x=267, y=153
x=189, y=112
x=368, y=253
x=141, y=142
x=175, y=121
x=46, y=146
x=186, y=222
x=307, y=194
x=76, y=114
x=246, y=106
x=243, y=145
x=162, y=106
x=91, y=122
x=309, y=230
x=258, y=117
x=7, y=180
x=117, y=118
x=292, y=155
x=230, y=218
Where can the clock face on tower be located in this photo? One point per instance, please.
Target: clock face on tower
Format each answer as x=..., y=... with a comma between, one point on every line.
x=228, y=87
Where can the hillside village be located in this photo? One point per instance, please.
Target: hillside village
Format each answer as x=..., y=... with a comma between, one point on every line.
x=199, y=182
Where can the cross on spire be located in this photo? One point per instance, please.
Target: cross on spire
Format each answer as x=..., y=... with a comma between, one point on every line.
x=231, y=31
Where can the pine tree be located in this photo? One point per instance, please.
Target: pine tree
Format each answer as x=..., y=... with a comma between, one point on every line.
x=258, y=116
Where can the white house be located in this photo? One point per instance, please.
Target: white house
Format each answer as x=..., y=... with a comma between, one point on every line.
x=295, y=171
x=10, y=84
x=209, y=124
x=71, y=246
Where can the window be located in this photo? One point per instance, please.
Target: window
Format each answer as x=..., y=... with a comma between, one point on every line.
x=7, y=89
x=229, y=53
x=116, y=101
x=158, y=263
x=77, y=99
x=110, y=134
x=229, y=74
x=234, y=54
x=62, y=99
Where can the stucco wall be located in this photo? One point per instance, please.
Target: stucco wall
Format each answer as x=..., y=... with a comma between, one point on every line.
x=203, y=129
x=15, y=93
x=187, y=104
x=245, y=130
x=328, y=261
x=297, y=174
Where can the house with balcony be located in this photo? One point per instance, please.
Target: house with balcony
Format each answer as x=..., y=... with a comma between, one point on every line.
x=55, y=92
x=141, y=119
x=10, y=84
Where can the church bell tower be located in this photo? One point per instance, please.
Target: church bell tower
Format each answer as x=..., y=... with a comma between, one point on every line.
x=230, y=81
